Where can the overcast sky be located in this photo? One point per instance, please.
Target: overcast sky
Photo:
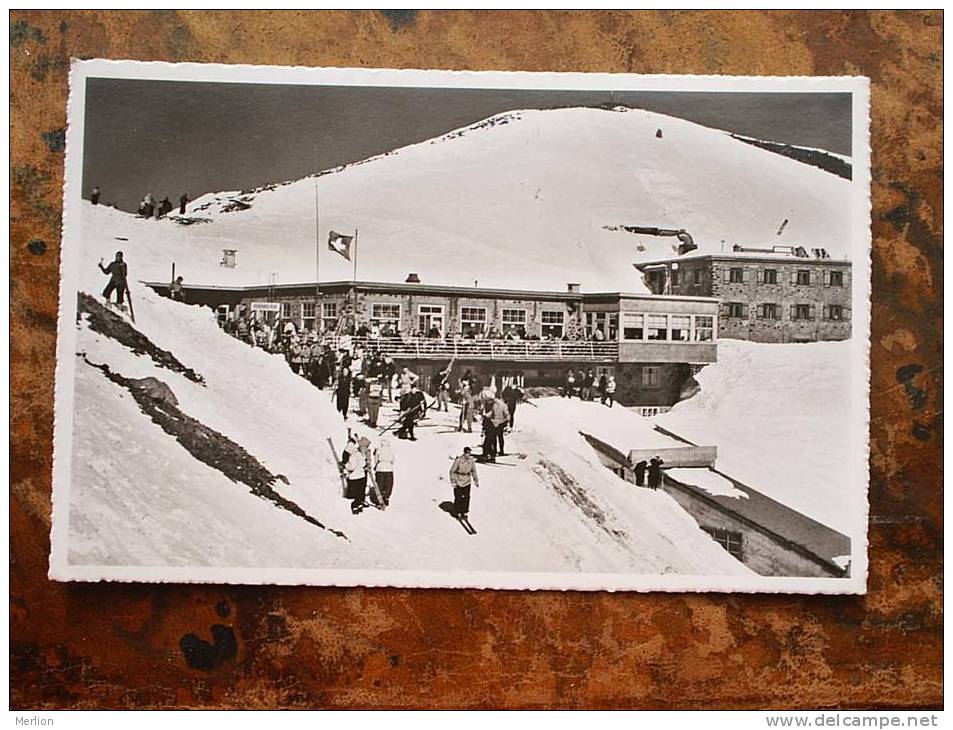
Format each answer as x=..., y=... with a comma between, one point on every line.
x=170, y=137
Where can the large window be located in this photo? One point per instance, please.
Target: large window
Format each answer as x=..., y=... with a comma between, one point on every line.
x=836, y=278
x=835, y=312
x=430, y=320
x=770, y=276
x=514, y=322
x=770, y=311
x=633, y=326
x=736, y=275
x=802, y=311
x=658, y=326
x=307, y=315
x=472, y=321
x=286, y=310
x=329, y=316
x=387, y=317
x=697, y=276
x=704, y=328
x=803, y=277
x=735, y=310
x=553, y=323
x=681, y=326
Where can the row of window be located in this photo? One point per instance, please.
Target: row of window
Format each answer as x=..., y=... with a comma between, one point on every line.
x=668, y=327
x=797, y=312
x=799, y=277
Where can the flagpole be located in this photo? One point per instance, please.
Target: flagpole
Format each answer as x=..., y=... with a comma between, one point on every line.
x=354, y=282
x=318, y=320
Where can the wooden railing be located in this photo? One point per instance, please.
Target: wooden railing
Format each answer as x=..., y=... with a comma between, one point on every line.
x=529, y=350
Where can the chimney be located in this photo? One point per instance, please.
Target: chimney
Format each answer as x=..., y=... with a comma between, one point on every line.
x=572, y=288
x=412, y=279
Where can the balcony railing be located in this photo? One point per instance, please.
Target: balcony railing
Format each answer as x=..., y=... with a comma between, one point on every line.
x=530, y=350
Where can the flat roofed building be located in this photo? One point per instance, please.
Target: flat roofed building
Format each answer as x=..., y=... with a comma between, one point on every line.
x=765, y=296
x=651, y=344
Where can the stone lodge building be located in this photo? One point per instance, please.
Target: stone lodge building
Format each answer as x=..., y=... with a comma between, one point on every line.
x=781, y=294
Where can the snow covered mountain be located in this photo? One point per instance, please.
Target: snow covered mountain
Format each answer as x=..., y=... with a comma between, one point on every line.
x=524, y=199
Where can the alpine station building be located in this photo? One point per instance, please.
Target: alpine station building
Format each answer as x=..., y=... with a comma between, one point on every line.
x=651, y=344
x=777, y=294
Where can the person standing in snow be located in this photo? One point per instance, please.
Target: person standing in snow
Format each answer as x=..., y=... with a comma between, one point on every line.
x=655, y=472
x=407, y=380
x=165, y=207
x=355, y=473
x=466, y=408
x=175, y=289
x=640, y=468
x=384, y=469
x=570, y=385
x=117, y=272
x=500, y=414
x=375, y=394
x=512, y=395
x=183, y=201
x=609, y=391
x=463, y=474
x=94, y=196
x=413, y=406
x=343, y=392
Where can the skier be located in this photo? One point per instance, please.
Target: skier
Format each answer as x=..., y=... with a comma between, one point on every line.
x=183, y=201
x=117, y=278
x=375, y=393
x=175, y=289
x=501, y=417
x=94, y=196
x=655, y=472
x=512, y=395
x=466, y=408
x=413, y=406
x=463, y=473
x=640, y=473
x=343, y=391
x=355, y=472
x=384, y=469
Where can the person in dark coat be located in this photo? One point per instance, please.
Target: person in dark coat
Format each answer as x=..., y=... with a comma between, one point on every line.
x=117, y=278
x=512, y=396
x=413, y=406
x=640, y=473
x=655, y=472
x=165, y=207
x=343, y=391
x=94, y=196
x=175, y=289
x=183, y=201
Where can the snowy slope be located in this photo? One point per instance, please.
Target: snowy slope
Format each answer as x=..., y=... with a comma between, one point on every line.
x=778, y=414
x=139, y=498
x=520, y=200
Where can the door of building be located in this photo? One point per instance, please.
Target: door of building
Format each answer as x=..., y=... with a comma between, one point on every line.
x=429, y=316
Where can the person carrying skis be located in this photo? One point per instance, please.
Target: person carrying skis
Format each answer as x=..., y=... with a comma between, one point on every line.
x=342, y=391
x=655, y=472
x=463, y=474
x=116, y=271
x=384, y=469
x=413, y=406
x=466, y=408
x=355, y=472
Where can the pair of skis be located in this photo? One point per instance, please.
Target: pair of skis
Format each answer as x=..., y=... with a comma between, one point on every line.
x=381, y=504
x=465, y=523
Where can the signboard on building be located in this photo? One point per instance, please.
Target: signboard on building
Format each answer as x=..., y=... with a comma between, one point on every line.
x=265, y=307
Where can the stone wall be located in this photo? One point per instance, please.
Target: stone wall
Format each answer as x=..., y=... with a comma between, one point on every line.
x=631, y=390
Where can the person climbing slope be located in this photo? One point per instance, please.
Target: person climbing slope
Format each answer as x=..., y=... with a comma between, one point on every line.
x=117, y=272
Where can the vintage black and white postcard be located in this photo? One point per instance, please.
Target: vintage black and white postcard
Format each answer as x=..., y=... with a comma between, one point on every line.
x=497, y=330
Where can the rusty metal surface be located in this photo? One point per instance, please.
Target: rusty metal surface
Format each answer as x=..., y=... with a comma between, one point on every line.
x=147, y=646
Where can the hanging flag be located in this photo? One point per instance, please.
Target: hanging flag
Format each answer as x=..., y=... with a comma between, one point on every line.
x=340, y=244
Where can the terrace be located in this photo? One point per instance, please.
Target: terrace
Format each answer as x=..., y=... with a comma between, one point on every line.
x=423, y=348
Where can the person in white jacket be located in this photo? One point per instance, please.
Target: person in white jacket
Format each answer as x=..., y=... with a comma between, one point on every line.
x=384, y=469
